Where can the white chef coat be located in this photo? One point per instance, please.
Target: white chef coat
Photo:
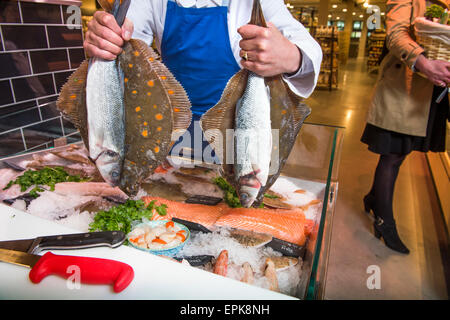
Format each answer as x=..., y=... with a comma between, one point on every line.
x=148, y=17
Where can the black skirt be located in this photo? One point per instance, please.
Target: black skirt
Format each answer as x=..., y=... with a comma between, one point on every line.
x=382, y=141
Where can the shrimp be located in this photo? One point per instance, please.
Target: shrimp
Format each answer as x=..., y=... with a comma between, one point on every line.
x=221, y=265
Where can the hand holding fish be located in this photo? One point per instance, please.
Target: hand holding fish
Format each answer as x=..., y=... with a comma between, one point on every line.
x=269, y=53
x=104, y=38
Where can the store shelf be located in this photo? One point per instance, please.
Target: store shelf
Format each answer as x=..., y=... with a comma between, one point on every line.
x=376, y=44
x=328, y=40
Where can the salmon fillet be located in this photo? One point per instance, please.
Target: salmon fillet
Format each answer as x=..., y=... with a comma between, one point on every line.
x=198, y=213
x=282, y=225
x=286, y=224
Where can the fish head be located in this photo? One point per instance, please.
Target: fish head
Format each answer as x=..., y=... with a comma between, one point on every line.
x=109, y=164
x=248, y=189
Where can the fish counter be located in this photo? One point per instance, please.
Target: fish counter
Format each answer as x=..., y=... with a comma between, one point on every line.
x=184, y=237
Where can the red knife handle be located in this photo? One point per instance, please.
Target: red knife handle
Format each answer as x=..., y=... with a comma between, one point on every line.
x=91, y=270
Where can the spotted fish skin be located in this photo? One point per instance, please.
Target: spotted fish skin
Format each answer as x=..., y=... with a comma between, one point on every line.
x=106, y=121
x=157, y=112
x=129, y=111
x=253, y=139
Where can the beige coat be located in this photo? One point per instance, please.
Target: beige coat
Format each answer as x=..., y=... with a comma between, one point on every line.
x=402, y=98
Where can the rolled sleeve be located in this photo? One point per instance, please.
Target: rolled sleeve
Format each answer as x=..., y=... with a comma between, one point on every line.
x=140, y=13
x=399, y=38
x=304, y=81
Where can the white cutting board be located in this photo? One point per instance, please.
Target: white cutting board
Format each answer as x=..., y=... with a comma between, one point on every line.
x=155, y=277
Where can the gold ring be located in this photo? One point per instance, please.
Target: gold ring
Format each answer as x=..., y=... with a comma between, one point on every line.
x=245, y=56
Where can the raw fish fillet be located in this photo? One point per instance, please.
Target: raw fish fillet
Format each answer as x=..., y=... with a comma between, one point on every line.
x=281, y=224
x=101, y=189
x=287, y=225
x=198, y=213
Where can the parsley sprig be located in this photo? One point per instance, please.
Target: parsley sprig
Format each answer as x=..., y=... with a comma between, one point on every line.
x=121, y=217
x=44, y=177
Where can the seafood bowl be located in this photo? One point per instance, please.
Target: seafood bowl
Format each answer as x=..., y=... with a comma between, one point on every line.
x=156, y=237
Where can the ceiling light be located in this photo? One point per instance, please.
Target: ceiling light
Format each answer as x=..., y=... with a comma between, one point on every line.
x=344, y=10
x=334, y=6
x=366, y=4
x=329, y=16
x=353, y=13
x=337, y=18
x=361, y=16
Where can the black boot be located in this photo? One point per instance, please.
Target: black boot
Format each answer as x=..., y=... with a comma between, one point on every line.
x=369, y=200
x=390, y=235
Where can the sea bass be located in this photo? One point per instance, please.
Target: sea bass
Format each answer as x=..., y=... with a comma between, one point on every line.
x=129, y=111
x=253, y=139
x=268, y=108
x=106, y=120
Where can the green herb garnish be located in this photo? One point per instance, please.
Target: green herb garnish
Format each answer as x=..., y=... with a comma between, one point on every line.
x=270, y=196
x=231, y=197
x=120, y=217
x=44, y=177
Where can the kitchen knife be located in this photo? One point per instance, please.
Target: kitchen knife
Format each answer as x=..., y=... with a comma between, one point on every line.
x=111, y=239
x=91, y=270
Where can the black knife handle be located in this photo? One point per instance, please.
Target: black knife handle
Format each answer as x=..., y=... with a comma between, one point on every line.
x=111, y=239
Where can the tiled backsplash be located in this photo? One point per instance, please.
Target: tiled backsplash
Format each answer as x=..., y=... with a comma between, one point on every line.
x=38, y=51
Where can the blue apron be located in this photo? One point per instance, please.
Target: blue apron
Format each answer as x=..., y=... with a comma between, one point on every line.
x=196, y=49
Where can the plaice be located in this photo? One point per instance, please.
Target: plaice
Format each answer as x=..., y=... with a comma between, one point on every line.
x=155, y=111
x=287, y=114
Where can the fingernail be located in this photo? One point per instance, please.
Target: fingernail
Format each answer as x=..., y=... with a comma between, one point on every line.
x=127, y=35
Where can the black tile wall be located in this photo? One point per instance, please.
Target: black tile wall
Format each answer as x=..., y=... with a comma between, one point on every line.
x=40, y=13
x=32, y=87
x=6, y=96
x=49, y=60
x=14, y=64
x=18, y=37
x=9, y=11
x=38, y=52
x=76, y=57
x=62, y=37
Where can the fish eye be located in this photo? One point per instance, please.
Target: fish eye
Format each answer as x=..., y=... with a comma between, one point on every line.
x=115, y=174
x=244, y=197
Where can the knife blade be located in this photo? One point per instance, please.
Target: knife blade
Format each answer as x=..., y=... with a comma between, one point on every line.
x=91, y=270
x=111, y=239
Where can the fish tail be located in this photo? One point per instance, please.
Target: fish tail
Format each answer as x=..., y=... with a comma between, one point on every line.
x=257, y=17
x=118, y=8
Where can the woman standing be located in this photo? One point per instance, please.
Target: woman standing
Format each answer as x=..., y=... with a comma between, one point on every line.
x=404, y=115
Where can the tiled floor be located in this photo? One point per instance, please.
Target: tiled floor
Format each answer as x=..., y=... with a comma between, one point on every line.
x=419, y=275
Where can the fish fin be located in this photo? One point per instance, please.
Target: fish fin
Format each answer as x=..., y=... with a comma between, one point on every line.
x=122, y=11
x=72, y=100
x=156, y=106
x=257, y=15
x=220, y=118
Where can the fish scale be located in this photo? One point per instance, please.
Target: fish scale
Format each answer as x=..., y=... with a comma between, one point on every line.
x=106, y=122
x=253, y=139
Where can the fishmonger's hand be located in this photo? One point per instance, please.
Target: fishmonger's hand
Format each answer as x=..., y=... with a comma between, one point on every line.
x=267, y=52
x=104, y=38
